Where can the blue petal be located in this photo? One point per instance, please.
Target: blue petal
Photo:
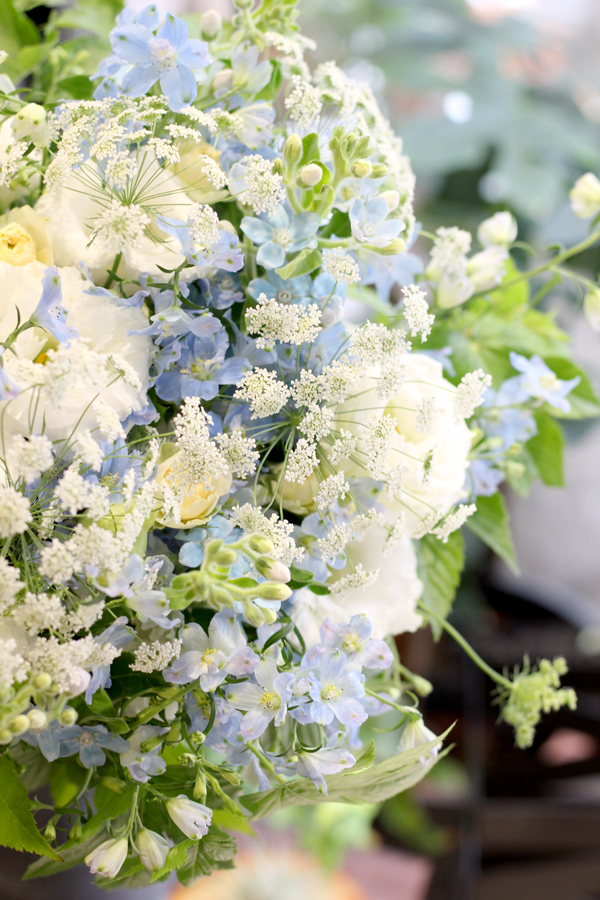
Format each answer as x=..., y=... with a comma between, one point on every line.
x=92, y=755
x=174, y=30
x=279, y=219
x=148, y=17
x=271, y=255
x=130, y=42
x=179, y=87
x=233, y=370
x=257, y=230
x=140, y=79
x=194, y=55
x=304, y=226
x=191, y=555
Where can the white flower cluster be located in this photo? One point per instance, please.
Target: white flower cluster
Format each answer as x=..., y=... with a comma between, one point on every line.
x=252, y=520
x=288, y=323
x=155, y=657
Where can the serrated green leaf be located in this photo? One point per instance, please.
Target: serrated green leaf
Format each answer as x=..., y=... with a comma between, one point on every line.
x=490, y=523
x=176, y=858
x=234, y=821
x=373, y=785
x=439, y=568
x=17, y=825
x=302, y=264
x=546, y=448
x=216, y=850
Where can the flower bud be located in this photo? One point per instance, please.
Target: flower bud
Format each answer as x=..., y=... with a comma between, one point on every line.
x=292, y=150
x=379, y=170
x=225, y=557
x=278, y=166
x=199, y=792
x=190, y=817
x=269, y=615
x=269, y=590
x=108, y=858
x=232, y=777
x=453, y=290
x=152, y=848
x=223, y=80
x=6, y=736
x=37, y=719
x=19, y=725
x=398, y=245
x=30, y=122
x=211, y=23
x=50, y=831
x=421, y=685
x=310, y=175
x=585, y=196
x=76, y=831
x=486, y=269
x=591, y=308
x=77, y=681
x=499, y=230
x=362, y=168
x=255, y=615
x=42, y=681
x=415, y=734
x=197, y=737
x=272, y=569
x=68, y=716
x=392, y=198
x=260, y=544
x=513, y=468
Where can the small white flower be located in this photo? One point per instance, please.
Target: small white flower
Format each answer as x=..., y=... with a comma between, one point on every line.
x=585, y=196
x=454, y=521
x=470, y=393
x=288, y=323
x=108, y=858
x=156, y=656
x=301, y=462
x=190, y=817
x=153, y=849
x=416, y=311
x=330, y=490
x=359, y=580
x=15, y=514
x=254, y=183
x=499, y=230
x=122, y=226
x=263, y=391
x=10, y=584
x=340, y=266
x=28, y=457
x=304, y=103
x=414, y=735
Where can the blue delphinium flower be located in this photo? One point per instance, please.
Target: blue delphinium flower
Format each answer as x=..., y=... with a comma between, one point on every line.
x=264, y=702
x=90, y=742
x=142, y=764
x=355, y=641
x=336, y=691
x=370, y=224
x=117, y=634
x=329, y=760
x=223, y=254
x=247, y=74
x=277, y=236
x=170, y=56
x=541, y=382
x=225, y=290
x=49, y=313
x=212, y=657
x=290, y=290
x=200, y=369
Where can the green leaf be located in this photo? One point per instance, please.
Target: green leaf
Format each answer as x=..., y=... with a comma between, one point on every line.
x=310, y=150
x=78, y=86
x=439, y=567
x=17, y=31
x=546, y=448
x=302, y=264
x=320, y=589
x=109, y=805
x=71, y=854
x=373, y=785
x=101, y=704
x=301, y=575
x=522, y=481
x=583, y=399
x=244, y=582
x=66, y=780
x=234, y=821
x=17, y=825
x=193, y=859
x=133, y=874
x=490, y=523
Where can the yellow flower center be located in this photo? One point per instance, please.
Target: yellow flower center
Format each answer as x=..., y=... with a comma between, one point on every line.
x=269, y=701
x=207, y=656
x=330, y=692
x=17, y=247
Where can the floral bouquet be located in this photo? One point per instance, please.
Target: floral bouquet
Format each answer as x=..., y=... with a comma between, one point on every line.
x=241, y=426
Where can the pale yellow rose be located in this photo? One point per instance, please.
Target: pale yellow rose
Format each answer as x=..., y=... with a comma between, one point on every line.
x=24, y=238
x=295, y=498
x=189, y=170
x=199, y=504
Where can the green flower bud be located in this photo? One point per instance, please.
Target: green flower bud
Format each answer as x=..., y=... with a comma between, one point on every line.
x=211, y=23
x=393, y=248
x=270, y=590
x=379, y=170
x=292, y=150
x=199, y=792
x=362, y=168
x=225, y=557
x=6, y=736
x=310, y=175
x=198, y=738
x=232, y=777
x=254, y=614
x=272, y=569
x=50, y=831
x=19, y=725
x=42, y=681
x=278, y=166
x=223, y=80
x=75, y=832
x=37, y=719
x=270, y=616
x=68, y=716
x=151, y=743
x=260, y=544
x=243, y=4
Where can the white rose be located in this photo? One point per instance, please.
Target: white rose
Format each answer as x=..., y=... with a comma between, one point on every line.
x=447, y=443
x=73, y=215
x=389, y=604
x=102, y=324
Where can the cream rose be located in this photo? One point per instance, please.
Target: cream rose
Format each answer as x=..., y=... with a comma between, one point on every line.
x=435, y=460
x=24, y=238
x=198, y=503
x=190, y=171
x=103, y=325
x=389, y=604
